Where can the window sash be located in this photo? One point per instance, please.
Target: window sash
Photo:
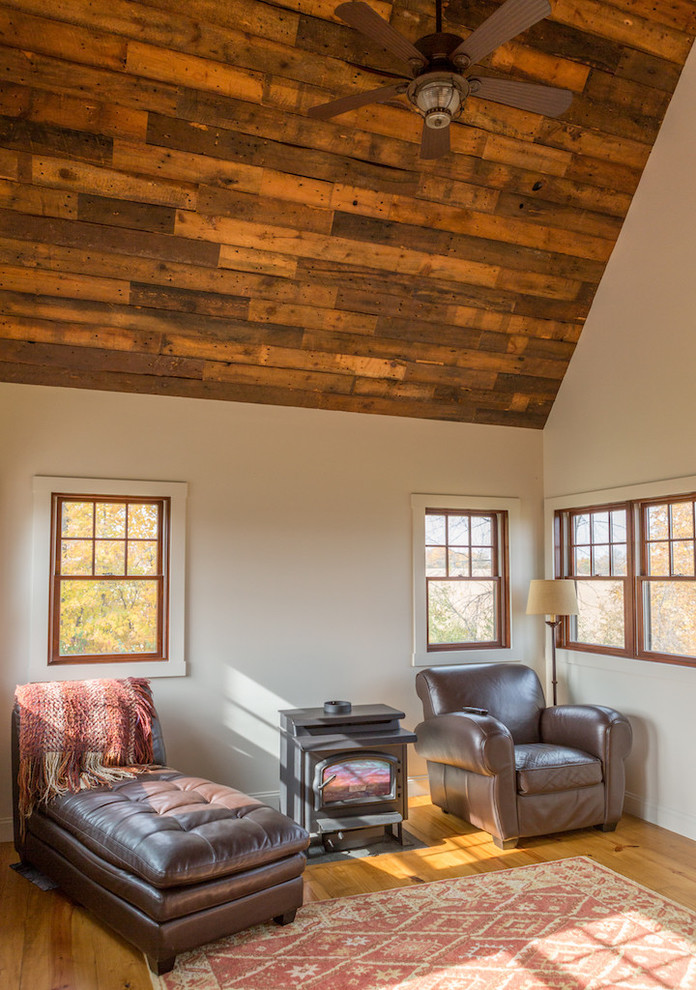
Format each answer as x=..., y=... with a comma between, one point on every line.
x=498, y=576
x=568, y=636
x=493, y=642
x=645, y=650
x=159, y=580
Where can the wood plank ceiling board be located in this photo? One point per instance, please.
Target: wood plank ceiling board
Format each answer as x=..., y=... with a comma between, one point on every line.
x=172, y=221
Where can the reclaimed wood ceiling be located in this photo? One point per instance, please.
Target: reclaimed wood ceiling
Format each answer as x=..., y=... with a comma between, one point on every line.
x=172, y=222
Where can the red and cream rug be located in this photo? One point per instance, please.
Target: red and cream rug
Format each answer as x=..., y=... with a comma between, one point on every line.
x=566, y=925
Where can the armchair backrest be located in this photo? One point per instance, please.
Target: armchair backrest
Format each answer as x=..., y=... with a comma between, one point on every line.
x=510, y=692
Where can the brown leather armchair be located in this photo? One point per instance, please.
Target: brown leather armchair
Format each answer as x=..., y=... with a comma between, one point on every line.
x=512, y=766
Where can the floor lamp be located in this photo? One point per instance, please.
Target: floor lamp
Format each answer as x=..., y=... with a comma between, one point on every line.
x=553, y=599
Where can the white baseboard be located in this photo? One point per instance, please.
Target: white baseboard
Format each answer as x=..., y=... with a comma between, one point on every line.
x=669, y=818
x=419, y=786
x=271, y=798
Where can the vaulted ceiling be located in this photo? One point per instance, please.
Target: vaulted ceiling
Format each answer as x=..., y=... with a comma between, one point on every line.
x=172, y=222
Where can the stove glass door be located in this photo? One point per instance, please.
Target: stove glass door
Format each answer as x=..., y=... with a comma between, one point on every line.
x=356, y=779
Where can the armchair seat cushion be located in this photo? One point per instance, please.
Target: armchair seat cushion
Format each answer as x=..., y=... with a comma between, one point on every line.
x=543, y=769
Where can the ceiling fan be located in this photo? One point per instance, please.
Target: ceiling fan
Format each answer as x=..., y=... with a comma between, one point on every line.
x=439, y=86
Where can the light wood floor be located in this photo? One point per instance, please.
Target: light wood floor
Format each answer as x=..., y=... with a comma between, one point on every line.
x=48, y=943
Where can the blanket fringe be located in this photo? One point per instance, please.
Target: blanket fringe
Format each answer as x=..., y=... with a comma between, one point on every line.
x=46, y=772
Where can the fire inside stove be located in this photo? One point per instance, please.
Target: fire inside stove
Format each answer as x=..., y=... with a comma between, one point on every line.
x=356, y=780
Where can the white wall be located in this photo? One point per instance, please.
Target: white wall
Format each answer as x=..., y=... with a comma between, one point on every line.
x=299, y=550
x=625, y=415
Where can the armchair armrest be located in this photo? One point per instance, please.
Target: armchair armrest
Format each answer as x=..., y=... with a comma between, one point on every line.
x=602, y=732
x=478, y=743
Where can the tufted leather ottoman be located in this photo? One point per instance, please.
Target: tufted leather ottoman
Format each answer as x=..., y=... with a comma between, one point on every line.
x=169, y=861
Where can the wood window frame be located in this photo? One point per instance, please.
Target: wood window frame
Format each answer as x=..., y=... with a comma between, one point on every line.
x=173, y=664
x=500, y=577
x=564, y=549
x=516, y=571
x=160, y=579
x=636, y=580
x=643, y=578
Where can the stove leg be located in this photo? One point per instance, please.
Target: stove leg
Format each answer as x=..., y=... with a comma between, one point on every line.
x=398, y=835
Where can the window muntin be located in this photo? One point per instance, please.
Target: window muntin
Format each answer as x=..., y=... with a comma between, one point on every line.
x=634, y=565
x=465, y=579
x=109, y=578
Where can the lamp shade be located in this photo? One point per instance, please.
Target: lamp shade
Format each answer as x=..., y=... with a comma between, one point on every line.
x=552, y=598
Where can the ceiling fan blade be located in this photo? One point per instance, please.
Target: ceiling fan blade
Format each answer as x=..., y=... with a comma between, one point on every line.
x=547, y=100
x=345, y=103
x=508, y=21
x=363, y=18
x=435, y=141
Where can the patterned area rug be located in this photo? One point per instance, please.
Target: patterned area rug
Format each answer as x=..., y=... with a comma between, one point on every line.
x=566, y=925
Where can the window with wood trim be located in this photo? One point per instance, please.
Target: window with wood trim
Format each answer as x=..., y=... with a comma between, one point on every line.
x=666, y=583
x=109, y=578
x=466, y=579
x=595, y=550
x=634, y=566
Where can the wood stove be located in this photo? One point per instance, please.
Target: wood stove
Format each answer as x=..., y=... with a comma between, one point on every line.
x=343, y=774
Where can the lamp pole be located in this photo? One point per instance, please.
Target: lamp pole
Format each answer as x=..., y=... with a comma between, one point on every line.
x=553, y=622
x=553, y=599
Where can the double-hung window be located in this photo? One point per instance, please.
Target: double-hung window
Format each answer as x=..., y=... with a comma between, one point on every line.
x=465, y=571
x=634, y=566
x=110, y=578
x=461, y=568
x=594, y=549
x=666, y=580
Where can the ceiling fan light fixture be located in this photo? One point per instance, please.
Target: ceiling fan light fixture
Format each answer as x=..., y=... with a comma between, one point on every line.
x=438, y=96
x=439, y=86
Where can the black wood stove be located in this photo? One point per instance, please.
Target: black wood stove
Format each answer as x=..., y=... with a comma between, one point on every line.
x=343, y=774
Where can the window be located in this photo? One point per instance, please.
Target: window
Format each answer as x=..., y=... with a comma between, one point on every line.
x=595, y=552
x=110, y=576
x=461, y=578
x=465, y=578
x=634, y=564
x=666, y=584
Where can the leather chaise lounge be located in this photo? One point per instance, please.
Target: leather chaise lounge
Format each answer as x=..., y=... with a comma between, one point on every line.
x=168, y=861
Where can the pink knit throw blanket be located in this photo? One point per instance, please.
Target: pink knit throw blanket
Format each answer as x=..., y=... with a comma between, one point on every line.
x=79, y=734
